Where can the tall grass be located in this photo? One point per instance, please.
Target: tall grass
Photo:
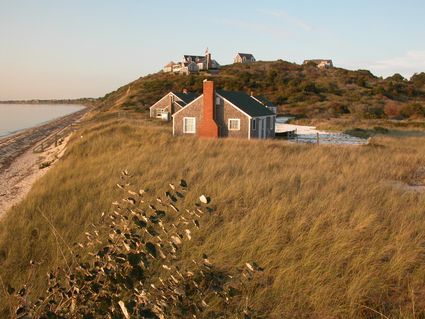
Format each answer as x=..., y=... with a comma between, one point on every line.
x=336, y=236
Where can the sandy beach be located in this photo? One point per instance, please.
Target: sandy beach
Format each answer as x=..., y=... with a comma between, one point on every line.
x=23, y=154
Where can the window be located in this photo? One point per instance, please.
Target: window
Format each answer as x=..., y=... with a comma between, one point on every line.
x=254, y=124
x=234, y=124
x=189, y=125
x=158, y=113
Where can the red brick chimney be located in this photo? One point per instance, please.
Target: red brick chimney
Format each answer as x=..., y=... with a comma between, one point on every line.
x=208, y=127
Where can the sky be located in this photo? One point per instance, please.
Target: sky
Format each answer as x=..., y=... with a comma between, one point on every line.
x=86, y=48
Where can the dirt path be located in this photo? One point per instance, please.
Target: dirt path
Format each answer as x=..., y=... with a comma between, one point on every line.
x=20, y=165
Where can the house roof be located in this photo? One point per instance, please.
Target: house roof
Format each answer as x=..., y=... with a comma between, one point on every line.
x=246, y=55
x=195, y=58
x=263, y=100
x=186, y=97
x=245, y=103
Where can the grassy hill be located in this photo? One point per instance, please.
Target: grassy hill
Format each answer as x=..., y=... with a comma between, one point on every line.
x=338, y=230
x=305, y=91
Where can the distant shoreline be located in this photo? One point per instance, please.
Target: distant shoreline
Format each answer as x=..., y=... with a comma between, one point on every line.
x=24, y=155
x=13, y=145
x=82, y=101
x=6, y=132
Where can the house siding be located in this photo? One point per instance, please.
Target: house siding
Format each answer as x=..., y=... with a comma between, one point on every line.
x=223, y=112
x=165, y=103
x=270, y=129
x=195, y=109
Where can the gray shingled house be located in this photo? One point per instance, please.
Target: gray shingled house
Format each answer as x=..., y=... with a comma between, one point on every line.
x=219, y=113
x=171, y=103
x=244, y=58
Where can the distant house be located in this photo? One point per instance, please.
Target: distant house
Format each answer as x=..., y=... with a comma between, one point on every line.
x=244, y=58
x=171, y=103
x=321, y=64
x=218, y=113
x=168, y=67
x=193, y=64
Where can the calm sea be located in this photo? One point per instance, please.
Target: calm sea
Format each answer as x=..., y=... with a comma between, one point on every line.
x=16, y=117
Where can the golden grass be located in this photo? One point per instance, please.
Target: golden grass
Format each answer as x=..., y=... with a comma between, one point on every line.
x=337, y=239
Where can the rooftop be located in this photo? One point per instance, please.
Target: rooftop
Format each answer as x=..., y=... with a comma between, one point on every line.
x=246, y=103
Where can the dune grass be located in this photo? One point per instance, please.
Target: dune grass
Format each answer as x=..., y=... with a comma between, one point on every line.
x=338, y=238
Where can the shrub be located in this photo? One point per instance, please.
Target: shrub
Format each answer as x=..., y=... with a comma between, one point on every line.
x=132, y=270
x=412, y=110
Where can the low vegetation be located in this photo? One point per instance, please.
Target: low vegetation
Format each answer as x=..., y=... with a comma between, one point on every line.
x=304, y=91
x=119, y=277
x=338, y=230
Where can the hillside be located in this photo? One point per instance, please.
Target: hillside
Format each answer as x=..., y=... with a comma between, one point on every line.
x=338, y=230
x=305, y=91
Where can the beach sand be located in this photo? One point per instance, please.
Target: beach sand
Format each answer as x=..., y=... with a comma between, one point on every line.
x=20, y=165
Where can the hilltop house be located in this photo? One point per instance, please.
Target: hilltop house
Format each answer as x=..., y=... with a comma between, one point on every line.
x=321, y=64
x=171, y=103
x=193, y=64
x=244, y=58
x=218, y=113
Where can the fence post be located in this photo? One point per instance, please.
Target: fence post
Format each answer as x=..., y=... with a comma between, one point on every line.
x=317, y=138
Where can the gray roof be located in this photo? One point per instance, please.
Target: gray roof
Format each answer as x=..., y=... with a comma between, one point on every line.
x=186, y=97
x=246, y=55
x=194, y=58
x=246, y=103
x=264, y=101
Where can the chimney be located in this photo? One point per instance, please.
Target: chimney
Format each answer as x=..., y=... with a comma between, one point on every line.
x=185, y=91
x=209, y=61
x=208, y=127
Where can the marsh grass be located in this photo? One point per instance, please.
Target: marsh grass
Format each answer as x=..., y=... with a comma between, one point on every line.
x=336, y=238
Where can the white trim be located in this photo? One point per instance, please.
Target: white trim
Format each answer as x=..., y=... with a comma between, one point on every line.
x=184, y=108
x=239, y=124
x=167, y=95
x=184, y=124
x=252, y=96
x=249, y=129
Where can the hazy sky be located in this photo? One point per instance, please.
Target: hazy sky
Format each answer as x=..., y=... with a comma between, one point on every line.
x=87, y=48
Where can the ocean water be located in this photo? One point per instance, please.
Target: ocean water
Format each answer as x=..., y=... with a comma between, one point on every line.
x=17, y=117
